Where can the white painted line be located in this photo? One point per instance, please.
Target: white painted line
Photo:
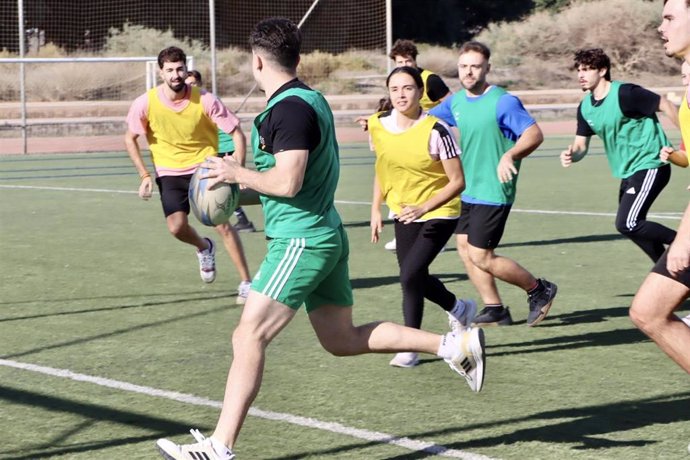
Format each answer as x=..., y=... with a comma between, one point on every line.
x=661, y=215
x=67, y=189
x=337, y=428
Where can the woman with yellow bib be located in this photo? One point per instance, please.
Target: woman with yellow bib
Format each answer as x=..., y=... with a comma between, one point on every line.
x=419, y=176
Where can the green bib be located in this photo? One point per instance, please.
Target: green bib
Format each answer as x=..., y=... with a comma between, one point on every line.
x=312, y=211
x=483, y=144
x=632, y=144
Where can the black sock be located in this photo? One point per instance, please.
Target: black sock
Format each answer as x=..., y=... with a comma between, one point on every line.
x=538, y=288
x=241, y=216
x=498, y=306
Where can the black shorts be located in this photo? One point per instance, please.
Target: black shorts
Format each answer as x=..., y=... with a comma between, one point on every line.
x=174, y=192
x=483, y=224
x=660, y=268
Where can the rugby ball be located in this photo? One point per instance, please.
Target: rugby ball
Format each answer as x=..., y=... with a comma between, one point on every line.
x=212, y=206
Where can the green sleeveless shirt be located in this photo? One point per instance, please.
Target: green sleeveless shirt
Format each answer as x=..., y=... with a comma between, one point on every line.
x=312, y=211
x=483, y=144
x=632, y=144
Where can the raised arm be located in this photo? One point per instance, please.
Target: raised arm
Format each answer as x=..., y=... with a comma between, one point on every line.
x=575, y=151
x=284, y=179
x=240, y=141
x=527, y=143
x=669, y=109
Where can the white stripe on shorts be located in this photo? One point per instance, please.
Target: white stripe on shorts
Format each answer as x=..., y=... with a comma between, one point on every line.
x=285, y=267
x=640, y=199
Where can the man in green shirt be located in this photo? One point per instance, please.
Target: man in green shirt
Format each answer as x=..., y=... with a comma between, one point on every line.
x=296, y=155
x=623, y=115
x=496, y=133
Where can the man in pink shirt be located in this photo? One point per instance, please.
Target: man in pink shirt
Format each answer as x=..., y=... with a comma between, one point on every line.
x=181, y=125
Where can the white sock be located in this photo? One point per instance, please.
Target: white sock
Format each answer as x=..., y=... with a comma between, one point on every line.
x=458, y=309
x=220, y=448
x=448, y=347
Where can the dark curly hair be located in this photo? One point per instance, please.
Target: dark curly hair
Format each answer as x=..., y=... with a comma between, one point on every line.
x=171, y=54
x=403, y=48
x=593, y=58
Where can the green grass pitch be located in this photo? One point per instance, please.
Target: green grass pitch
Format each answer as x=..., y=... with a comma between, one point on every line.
x=93, y=283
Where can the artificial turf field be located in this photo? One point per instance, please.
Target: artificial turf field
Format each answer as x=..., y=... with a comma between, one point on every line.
x=106, y=331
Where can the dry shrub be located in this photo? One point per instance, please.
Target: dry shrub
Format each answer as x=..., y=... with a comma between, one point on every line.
x=316, y=66
x=77, y=81
x=542, y=46
x=440, y=60
x=362, y=62
x=137, y=40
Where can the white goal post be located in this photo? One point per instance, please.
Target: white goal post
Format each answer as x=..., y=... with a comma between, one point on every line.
x=86, y=55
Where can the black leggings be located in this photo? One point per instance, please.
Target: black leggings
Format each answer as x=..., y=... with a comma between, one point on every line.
x=635, y=197
x=417, y=245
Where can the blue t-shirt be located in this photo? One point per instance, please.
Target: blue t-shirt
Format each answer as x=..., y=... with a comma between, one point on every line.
x=511, y=117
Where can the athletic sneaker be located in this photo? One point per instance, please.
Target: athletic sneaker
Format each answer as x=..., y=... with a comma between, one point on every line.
x=686, y=320
x=245, y=226
x=540, y=303
x=493, y=316
x=470, y=359
x=405, y=359
x=465, y=319
x=203, y=449
x=207, y=262
x=390, y=246
x=243, y=292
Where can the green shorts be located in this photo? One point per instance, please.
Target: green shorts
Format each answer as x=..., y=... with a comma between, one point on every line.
x=311, y=270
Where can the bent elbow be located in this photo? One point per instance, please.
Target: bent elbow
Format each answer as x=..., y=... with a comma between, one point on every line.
x=292, y=189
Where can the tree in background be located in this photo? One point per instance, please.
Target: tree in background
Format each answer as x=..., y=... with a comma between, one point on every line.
x=449, y=22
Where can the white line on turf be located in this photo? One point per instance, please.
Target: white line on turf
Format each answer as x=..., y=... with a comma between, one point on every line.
x=658, y=215
x=384, y=438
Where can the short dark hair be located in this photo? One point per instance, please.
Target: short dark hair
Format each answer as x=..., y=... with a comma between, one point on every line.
x=411, y=71
x=403, y=47
x=594, y=58
x=171, y=54
x=280, y=39
x=477, y=47
x=197, y=76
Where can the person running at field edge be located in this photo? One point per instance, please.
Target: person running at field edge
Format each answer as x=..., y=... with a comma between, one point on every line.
x=668, y=154
x=181, y=124
x=680, y=157
x=419, y=175
x=623, y=115
x=496, y=133
x=404, y=53
x=296, y=155
x=668, y=285
x=226, y=146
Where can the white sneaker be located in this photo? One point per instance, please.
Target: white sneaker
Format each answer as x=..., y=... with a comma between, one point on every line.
x=207, y=262
x=203, y=449
x=470, y=359
x=390, y=246
x=686, y=320
x=405, y=359
x=243, y=292
x=465, y=319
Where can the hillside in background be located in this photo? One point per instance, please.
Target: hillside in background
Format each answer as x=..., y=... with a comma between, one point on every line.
x=531, y=53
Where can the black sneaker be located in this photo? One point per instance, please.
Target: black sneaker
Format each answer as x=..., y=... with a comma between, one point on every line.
x=540, y=303
x=245, y=227
x=493, y=316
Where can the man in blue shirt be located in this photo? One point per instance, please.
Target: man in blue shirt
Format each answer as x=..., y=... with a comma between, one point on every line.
x=496, y=132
